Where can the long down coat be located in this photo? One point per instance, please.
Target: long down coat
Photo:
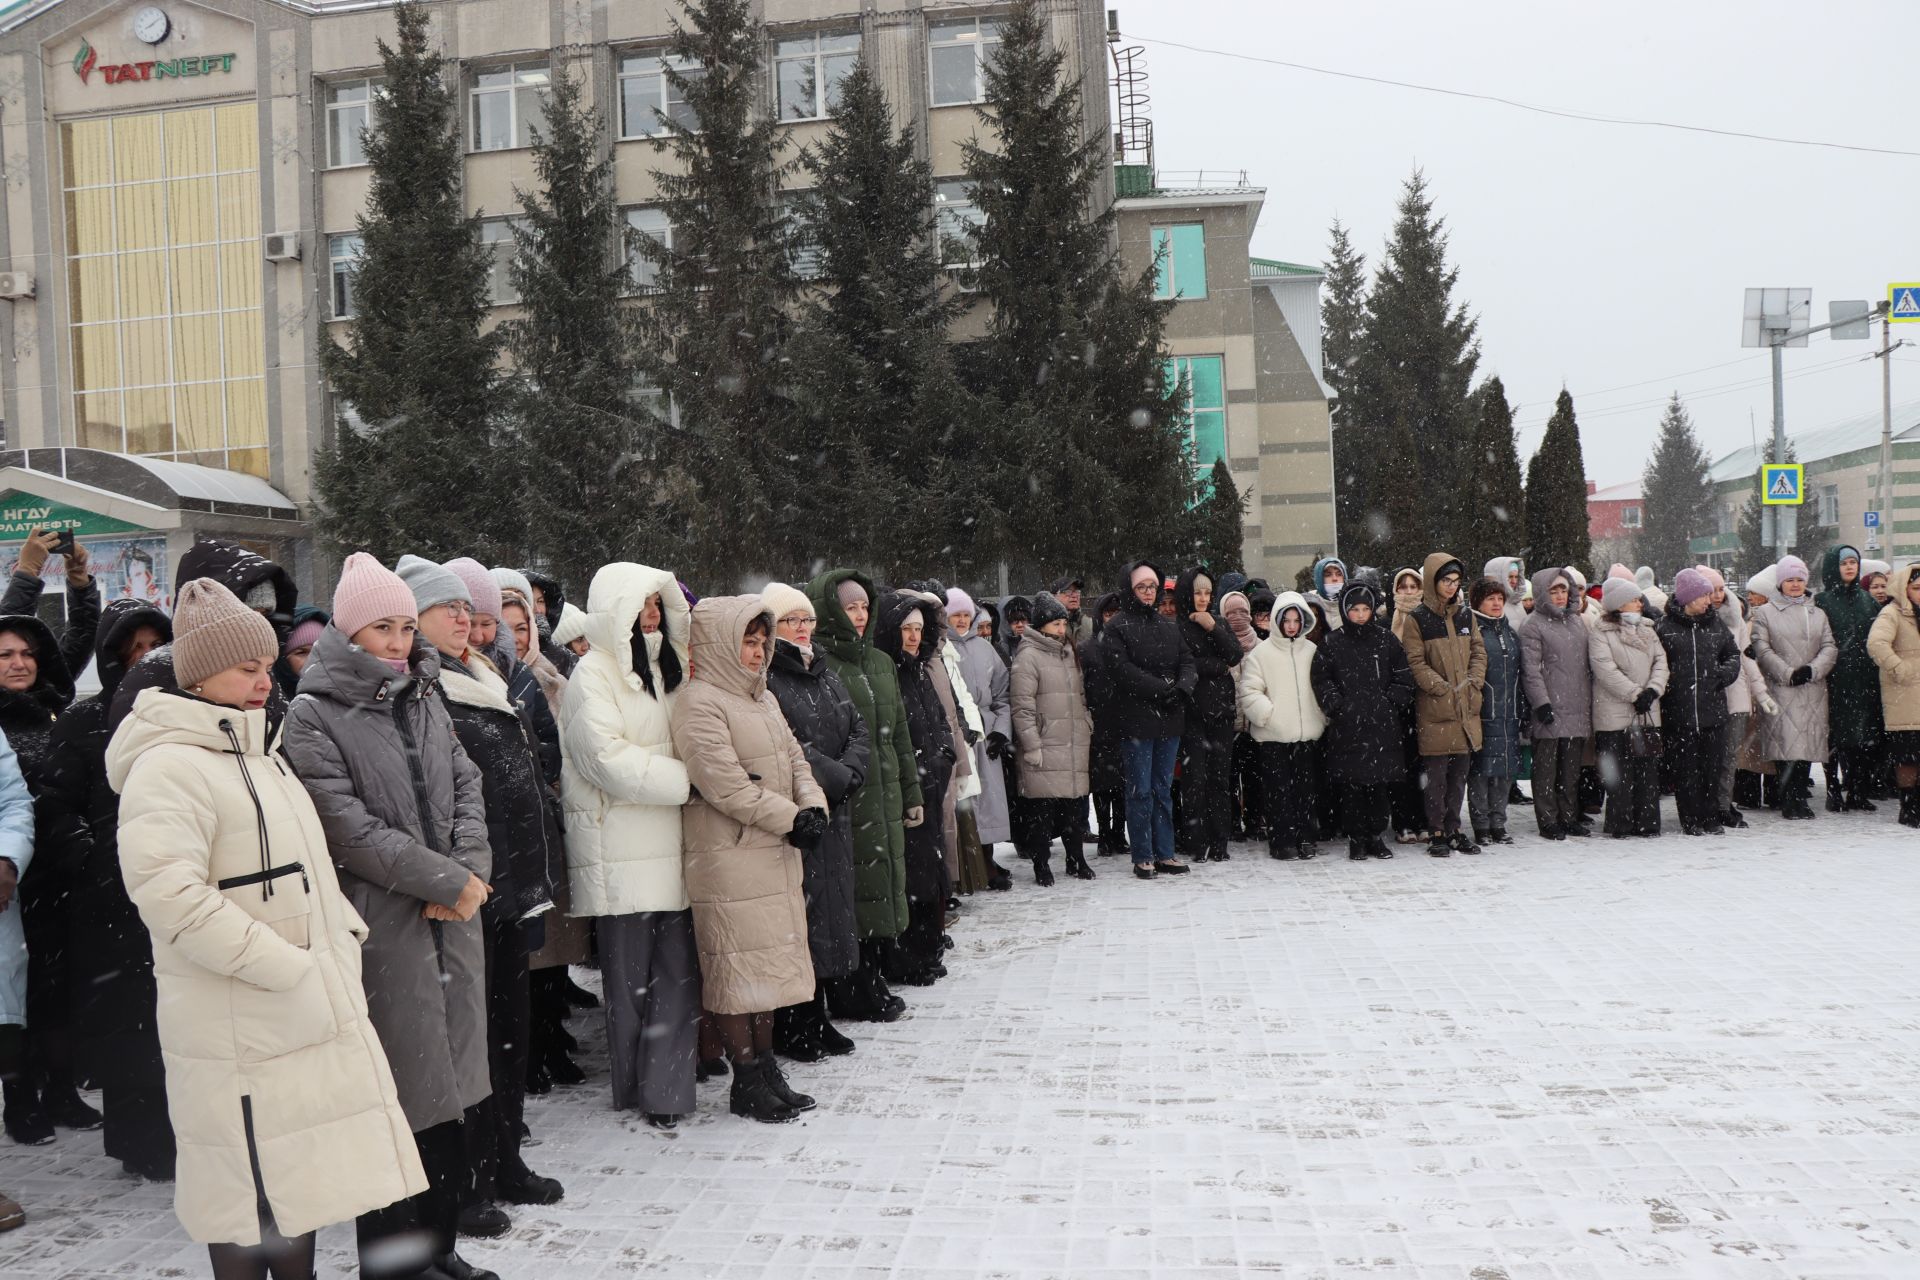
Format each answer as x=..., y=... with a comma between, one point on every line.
x=833, y=734
x=1790, y=633
x=1853, y=690
x=1362, y=681
x=498, y=739
x=892, y=784
x=270, y=1052
x=1052, y=728
x=1553, y=661
x=406, y=824
x=929, y=728
x=987, y=679
x=1448, y=660
x=1503, y=706
x=1626, y=658
x=750, y=781
x=1276, y=681
x=1894, y=644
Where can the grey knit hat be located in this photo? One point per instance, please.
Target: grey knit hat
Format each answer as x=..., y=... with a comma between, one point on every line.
x=431, y=583
x=213, y=630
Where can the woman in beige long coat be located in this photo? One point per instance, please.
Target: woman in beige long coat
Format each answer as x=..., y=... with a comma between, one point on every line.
x=1894, y=646
x=1053, y=739
x=754, y=807
x=277, y=1084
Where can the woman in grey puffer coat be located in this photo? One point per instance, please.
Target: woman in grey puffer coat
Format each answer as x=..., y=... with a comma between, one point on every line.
x=406, y=827
x=1559, y=688
x=1793, y=643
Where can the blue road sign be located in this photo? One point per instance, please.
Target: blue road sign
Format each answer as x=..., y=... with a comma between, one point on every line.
x=1873, y=519
x=1781, y=484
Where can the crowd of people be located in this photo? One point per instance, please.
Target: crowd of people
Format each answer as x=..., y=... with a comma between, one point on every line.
x=298, y=889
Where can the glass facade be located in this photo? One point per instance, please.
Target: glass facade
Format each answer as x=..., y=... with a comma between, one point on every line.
x=164, y=272
x=1206, y=404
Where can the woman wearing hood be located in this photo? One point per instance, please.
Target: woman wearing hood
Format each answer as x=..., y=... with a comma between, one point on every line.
x=1703, y=663
x=1106, y=768
x=1248, y=817
x=1630, y=672
x=1793, y=643
x=1511, y=573
x=1053, y=734
x=622, y=786
x=1329, y=575
x=550, y=606
x=405, y=823
x=1152, y=674
x=1853, y=691
x=1361, y=681
x=884, y=803
x=1409, y=800
x=986, y=677
x=1503, y=715
x=755, y=811
x=1747, y=697
x=1449, y=664
x=1206, y=745
x=1285, y=722
x=832, y=734
x=902, y=633
x=1554, y=665
x=309, y=621
x=1894, y=643
x=279, y=1088
x=116, y=1042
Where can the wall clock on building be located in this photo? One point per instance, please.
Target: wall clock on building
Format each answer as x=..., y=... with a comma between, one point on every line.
x=151, y=24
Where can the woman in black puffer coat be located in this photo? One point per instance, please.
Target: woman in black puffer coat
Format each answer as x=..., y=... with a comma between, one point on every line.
x=35, y=690
x=833, y=734
x=902, y=633
x=1206, y=747
x=116, y=1042
x=1109, y=777
x=1363, y=684
x=1702, y=664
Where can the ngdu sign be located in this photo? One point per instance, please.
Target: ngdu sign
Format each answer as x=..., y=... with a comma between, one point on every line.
x=1783, y=484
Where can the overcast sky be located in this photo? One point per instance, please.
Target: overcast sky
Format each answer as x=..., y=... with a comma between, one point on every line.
x=1595, y=256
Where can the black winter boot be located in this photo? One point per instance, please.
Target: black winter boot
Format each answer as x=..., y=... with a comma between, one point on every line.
x=778, y=1079
x=796, y=1032
x=1910, y=807
x=754, y=1096
x=1439, y=846
x=1377, y=847
x=1356, y=850
x=1077, y=861
x=1042, y=866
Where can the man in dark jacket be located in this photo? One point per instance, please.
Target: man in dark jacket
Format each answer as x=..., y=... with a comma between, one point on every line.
x=1363, y=684
x=1151, y=673
x=1206, y=744
x=83, y=596
x=1067, y=591
x=1107, y=770
x=1702, y=663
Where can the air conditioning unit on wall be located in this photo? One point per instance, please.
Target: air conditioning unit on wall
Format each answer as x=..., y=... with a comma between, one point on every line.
x=16, y=284
x=283, y=246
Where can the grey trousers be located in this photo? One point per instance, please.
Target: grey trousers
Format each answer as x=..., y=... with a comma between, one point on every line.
x=1556, y=781
x=1730, y=762
x=650, y=978
x=1487, y=801
x=1445, y=790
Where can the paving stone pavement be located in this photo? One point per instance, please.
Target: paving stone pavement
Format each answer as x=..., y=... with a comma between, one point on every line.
x=1684, y=1058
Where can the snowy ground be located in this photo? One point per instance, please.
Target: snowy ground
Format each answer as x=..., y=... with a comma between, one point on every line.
x=1684, y=1058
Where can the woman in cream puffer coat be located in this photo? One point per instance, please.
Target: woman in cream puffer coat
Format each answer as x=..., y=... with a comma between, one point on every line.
x=1286, y=723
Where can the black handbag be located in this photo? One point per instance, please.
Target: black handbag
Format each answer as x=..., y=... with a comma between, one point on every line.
x=1643, y=738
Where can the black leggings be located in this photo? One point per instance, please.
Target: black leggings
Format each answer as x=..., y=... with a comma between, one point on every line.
x=405, y=1237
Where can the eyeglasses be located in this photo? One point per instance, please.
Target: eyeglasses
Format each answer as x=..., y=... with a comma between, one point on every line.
x=799, y=621
x=459, y=608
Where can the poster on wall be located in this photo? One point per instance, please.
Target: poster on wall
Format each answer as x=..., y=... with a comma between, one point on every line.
x=127, y=567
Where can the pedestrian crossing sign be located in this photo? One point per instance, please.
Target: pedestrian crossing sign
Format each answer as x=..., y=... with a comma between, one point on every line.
x=1782, y=484
x=1903, y=303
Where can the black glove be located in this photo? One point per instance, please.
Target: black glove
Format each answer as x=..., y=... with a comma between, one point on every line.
x=1643, y=700
x=1544, y=713
x=808, y=826
x=534, y=931
x=996, y=746
x=1802, y=676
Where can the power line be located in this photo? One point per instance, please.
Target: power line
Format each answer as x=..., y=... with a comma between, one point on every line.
x=1708, y=393
x=1527, y=106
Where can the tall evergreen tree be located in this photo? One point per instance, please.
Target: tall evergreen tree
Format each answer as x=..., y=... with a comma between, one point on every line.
x=416, y=367
x=1218, y=518
x=1496, y=508
x=573, y=354
x=1416, y=362
x=873, y=372
x=715, y=329
x=1092, y=426
x=1676, y=495
x=1557, y=495
x=1342, y=329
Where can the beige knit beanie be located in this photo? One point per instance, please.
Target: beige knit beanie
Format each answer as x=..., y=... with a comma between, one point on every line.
x=212, y=631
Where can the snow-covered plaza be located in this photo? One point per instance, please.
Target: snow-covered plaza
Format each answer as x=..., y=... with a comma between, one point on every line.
x=1597, y=1059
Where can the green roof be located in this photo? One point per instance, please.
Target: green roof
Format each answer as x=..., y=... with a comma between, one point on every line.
x=1274, y=267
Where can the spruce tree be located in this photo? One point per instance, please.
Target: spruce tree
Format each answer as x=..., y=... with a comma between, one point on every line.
x=873, y=372
x=1676, y=496
x=582, y=438
x=1416, y=362
x=1342, y=329
x=416, y=367
x=1217, y=521
x=1092, y=461
x=714, y=331
x=1557, y=533
x=1496, y=508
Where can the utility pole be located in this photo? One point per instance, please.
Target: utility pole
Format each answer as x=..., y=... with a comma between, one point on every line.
x=1779, y=523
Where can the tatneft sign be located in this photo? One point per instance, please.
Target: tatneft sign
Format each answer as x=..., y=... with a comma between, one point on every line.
x=87, y=60
x=21, y=514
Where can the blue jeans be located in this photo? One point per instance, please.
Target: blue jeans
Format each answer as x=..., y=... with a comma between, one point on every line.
x=1148, y=763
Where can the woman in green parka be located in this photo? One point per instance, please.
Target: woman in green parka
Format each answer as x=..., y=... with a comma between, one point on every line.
x=886, y=804
x=1853, y=691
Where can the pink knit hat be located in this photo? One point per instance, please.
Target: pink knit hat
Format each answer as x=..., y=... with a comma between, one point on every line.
x=1620, y=571
x=1791, y=567
x=1689, y=585
x=368, y=592
x=479, y=583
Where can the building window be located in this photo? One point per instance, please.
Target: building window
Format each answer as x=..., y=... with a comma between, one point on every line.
x=956, y=222
x=1830, y=505
x=164, y=275
x=1629, y=517
x=799, y=238
x=649, y=98
x=343, y=256
x=1206, y=416
x=509, y=103
x=959, y=54
x=807, y=71
x=1180, y=253
x=350, y=106
x=652, y=224
x=497, y=235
